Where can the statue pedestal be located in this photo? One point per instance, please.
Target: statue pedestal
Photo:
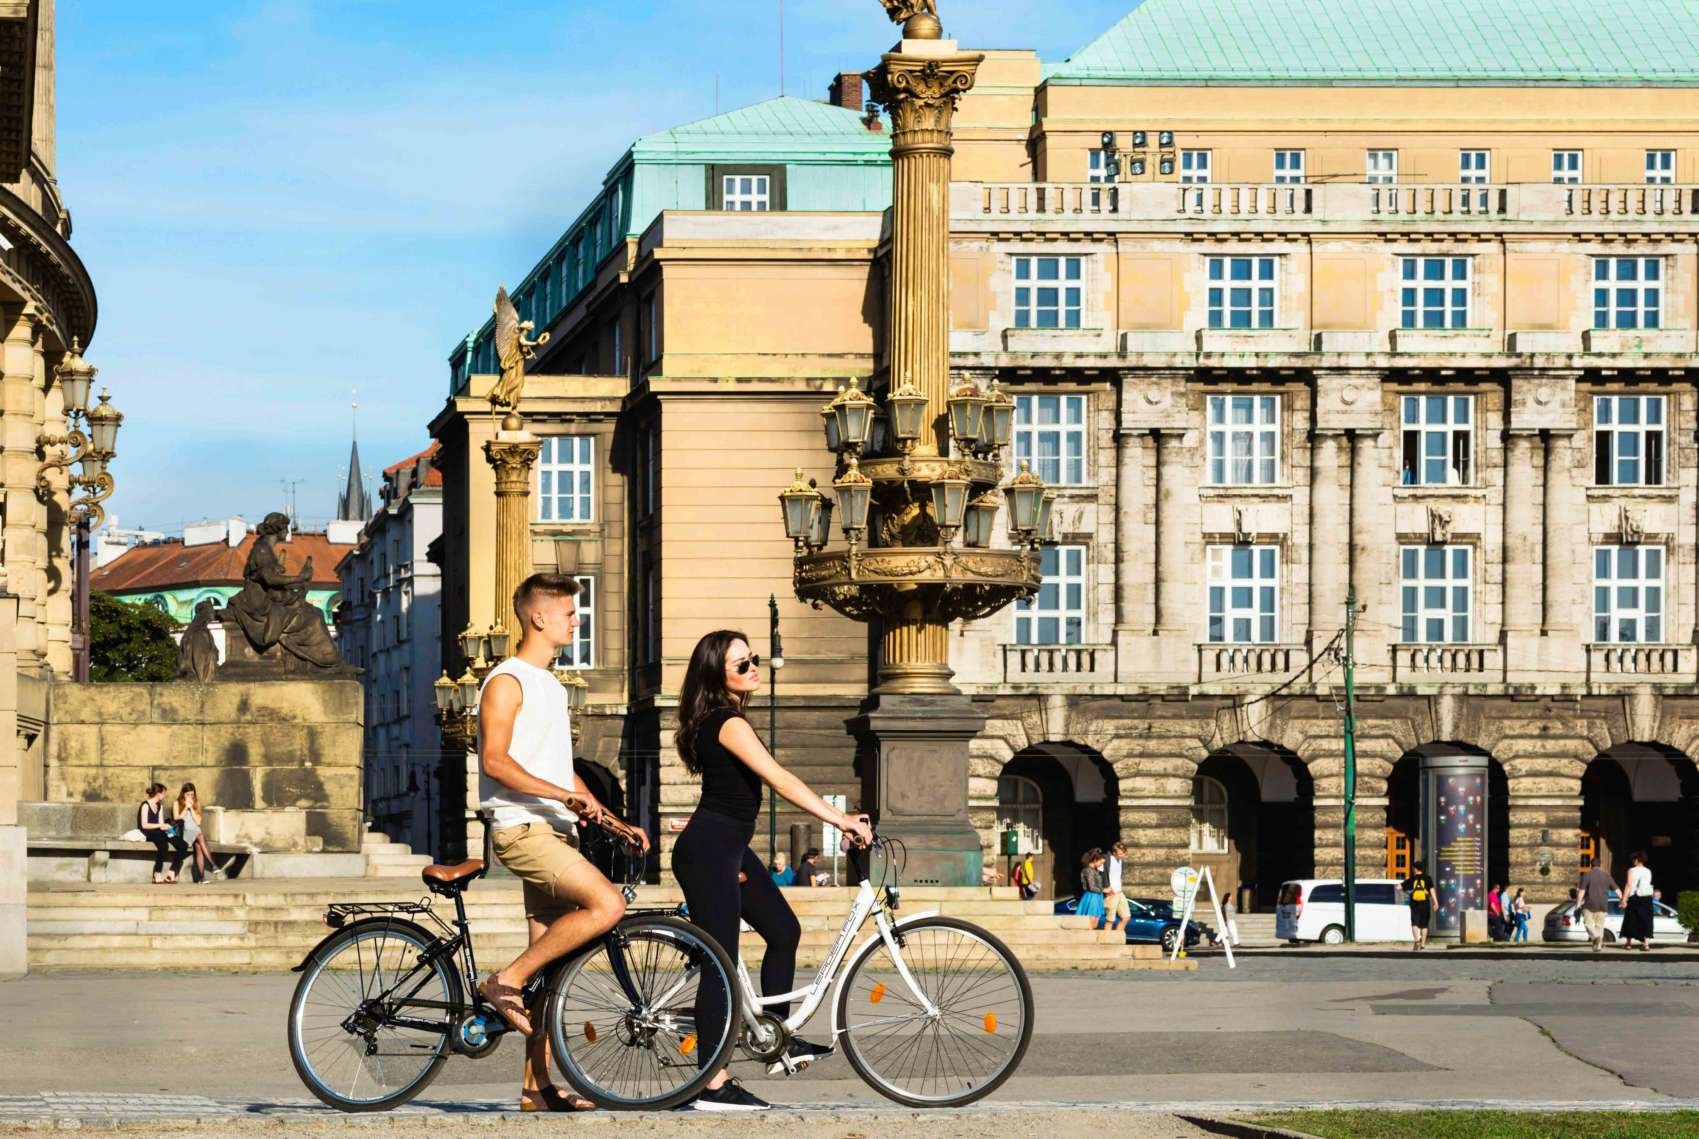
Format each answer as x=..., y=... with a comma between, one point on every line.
x=914, y=773
x=241, y=662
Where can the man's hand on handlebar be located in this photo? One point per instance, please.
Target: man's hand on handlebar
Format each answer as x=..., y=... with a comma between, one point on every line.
x=857, y=830
x=591, y=812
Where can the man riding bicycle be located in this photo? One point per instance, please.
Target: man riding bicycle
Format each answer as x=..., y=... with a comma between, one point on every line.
x=533, y=804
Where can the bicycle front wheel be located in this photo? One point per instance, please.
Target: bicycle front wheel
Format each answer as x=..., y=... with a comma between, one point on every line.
x=950, y=1037
x=622, y=1016
x=359, y=1037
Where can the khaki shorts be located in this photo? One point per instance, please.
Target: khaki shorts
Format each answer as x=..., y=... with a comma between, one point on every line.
x=1594, y=920
x=540, y=857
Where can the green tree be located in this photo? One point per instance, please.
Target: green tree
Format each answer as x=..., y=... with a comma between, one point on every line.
x=129, y=642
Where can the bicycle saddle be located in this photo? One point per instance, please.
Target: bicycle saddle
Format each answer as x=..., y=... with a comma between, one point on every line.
x=447, y=875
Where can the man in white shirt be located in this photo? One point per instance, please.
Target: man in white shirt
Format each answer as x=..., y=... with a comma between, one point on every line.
x=534, y=803
x=1115, y=904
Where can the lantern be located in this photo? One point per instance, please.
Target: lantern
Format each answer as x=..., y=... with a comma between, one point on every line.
x=855, y=495
x=577, y=688
x=472, y=644
x=445, y=692
x=800, y=504
x=949, y=501
x=999, y=418
x=103, y=423
x=853, y=411
x=908, y=412
x=1046, y=510
x=821, y=534
x=468, y=685
x=967, y=415
x=829, y=417
x=879, y=438
x=75, y=376
x=1026, y=498
x=499, y=639
x=981, y=517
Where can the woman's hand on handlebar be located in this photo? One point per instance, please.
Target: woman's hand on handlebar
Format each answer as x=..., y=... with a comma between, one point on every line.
x=857, y=830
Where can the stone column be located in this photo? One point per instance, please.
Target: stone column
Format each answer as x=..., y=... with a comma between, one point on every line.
x=1132, y=613
x=1328, y=530
x=22, y=540
x=1557, y=595
x=1172, y=548
x=512, y=453
x=58, y=536
x=1521, y=550
x=1371, y=534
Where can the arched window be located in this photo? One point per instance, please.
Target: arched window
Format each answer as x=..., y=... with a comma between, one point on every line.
x=159, y=603
x=1209, y=816
x=1021, y=803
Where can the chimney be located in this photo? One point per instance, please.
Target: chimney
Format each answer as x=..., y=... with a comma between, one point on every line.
x=846, y=90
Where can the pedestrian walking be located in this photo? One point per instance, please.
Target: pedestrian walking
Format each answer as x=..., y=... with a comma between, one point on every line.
x=1495, y=913
x=1419, y=890
x=1519, y=911
x=1595, y=897
x=1025, y=878
x=186, y=814
x=1230, y=918
x=1091, y=886
x=1114, y=900
x=157, y=829
x=1637, y=903
x=783, y=875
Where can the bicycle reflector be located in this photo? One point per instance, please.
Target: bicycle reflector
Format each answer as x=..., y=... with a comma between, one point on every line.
x=688, y=1044
x=991, y=1023
x=878, y=993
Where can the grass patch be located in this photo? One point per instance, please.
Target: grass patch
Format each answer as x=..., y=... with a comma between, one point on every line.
x=1487, y=1124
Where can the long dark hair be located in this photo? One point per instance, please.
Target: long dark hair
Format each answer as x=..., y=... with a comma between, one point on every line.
x=704, y=691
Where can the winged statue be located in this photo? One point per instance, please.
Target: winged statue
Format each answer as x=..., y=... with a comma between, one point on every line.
x=901, y=10
x=514, y=347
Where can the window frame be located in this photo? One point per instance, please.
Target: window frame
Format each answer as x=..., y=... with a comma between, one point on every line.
x=1070, y=300
x=1652, y=448
x=1562, y=174
x=1459, y=436
x=777, y=184
x=1648, y=277
x=1210, y=817
x=1415, y=587
x=1098, y=171
x=1197, y=167
x=585, y=638
x=1218, y=292
x=1385, y=158
x=583, y=464
x=1219, y=576
x=1030, y=432
x=1607, y=607
x=1292, y=175
x=1469, y=157
x=1660, y=166
x=1413, y=300
x=1265, y=439
x=1028, y=613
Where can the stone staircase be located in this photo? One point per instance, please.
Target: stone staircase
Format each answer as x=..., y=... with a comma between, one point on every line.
x=264, y=925
x=386, y=859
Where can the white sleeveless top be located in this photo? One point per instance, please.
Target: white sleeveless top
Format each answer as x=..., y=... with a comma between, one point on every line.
x=542, y=745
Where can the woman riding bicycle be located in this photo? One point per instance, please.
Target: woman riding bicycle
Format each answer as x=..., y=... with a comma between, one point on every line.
x=717, y=743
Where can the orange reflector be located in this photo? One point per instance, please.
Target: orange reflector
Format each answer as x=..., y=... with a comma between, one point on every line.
x=688, y=1044
x=878, y=993
x=590, y=1032
x=991, y=1023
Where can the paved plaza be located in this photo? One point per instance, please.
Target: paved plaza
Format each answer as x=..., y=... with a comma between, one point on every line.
x=1600, y=1032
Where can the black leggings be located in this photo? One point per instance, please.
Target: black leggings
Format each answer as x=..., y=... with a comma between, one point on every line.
x=166, y=844
x=706, y=861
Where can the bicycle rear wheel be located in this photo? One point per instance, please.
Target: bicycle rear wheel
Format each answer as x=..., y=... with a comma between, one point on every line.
x=631, y=1044
x=358, y=1041
x=966, y=1044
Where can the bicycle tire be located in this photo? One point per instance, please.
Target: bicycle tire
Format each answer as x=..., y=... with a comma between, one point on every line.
x=911, y=931
x=323, y=956
x=675, y=931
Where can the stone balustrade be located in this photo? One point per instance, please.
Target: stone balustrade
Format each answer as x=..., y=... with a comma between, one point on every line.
x=1447, y=664
x=1078, y=664
x=1630, y=664
x=1224, y=662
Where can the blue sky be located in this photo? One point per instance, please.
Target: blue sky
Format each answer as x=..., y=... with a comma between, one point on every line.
x=282, y=201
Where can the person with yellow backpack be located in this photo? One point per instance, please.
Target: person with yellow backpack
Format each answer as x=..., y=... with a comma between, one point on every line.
x=1419, y=888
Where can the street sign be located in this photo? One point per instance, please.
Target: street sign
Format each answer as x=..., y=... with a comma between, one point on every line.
x=1184, y=882
x=1186, y=879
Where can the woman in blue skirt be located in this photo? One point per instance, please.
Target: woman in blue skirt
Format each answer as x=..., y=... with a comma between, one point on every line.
x=1091, y=886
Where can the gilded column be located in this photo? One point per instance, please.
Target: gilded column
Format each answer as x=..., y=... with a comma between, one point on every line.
x=919, y=86
x=512, y=453
x=1328, y=530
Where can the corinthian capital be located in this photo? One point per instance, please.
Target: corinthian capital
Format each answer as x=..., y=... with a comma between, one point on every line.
x=921, y=92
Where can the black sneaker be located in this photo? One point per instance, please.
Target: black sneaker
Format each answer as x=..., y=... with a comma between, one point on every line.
x=729, y=1096
x=798, y=1055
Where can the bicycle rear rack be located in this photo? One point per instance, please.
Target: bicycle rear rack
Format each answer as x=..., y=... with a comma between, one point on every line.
x=339, y=913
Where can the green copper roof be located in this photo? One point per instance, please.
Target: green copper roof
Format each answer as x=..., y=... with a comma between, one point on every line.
x=786, y=122
x=1611, y=42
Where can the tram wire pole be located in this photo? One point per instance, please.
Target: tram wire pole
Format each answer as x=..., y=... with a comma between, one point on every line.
x=1350, y=765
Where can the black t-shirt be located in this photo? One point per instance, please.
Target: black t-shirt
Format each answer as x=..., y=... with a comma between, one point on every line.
x=1419, y=888
x=729, y=786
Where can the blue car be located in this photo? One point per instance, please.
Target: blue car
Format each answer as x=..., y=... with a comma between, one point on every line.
x=1152, y=922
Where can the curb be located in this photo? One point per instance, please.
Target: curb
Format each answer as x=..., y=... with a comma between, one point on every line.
x=1240, y=1130
x=1464, y=953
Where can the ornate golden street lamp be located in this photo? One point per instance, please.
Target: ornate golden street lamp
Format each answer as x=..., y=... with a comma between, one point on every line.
x=927, y=476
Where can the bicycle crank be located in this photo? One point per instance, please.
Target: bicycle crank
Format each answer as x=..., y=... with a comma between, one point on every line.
x=778, y=1038
x=477, y=1034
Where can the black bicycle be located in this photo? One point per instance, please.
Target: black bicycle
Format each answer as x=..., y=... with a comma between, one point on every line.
x=386, y=998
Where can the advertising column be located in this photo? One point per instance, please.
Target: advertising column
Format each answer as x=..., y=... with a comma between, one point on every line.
x=1454, y=837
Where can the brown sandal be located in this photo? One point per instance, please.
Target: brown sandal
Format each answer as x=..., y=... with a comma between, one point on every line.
x=551, y=1098
x=510, y=1006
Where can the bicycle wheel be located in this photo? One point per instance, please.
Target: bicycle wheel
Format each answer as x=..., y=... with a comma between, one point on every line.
x=639, y=1050
x=357, y=1041
x=967, y=1045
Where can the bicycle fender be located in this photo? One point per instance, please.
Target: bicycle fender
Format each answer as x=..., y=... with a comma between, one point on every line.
x=869, y=940
x=387, y=922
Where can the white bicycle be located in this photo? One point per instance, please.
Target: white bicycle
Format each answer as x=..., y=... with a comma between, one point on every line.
x=931, y=1011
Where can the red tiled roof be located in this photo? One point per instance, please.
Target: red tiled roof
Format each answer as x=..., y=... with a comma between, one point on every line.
x=171, y=565
x=433, y=477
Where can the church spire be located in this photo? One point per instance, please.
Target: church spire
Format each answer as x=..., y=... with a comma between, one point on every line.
x=354, y=504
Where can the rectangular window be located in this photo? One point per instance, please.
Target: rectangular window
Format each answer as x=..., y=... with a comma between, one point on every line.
x=1435, y=292
x=1628, y=595
x=1566, y=167
x=1660, y=166
x=581, y=653
x=1381, y=167
x=1194, y=166
x=651, y=615
x=1288, y=167
x=1439, y=438
x=565, y=478
x=1050, y=435
x=1628, y=292
x=652, y=318
x=1474, y=167
x=651, y=470
x=1242, y=292
x=1628, y=440
x=745, y=193
x=1056, y=616
x=1244, y=594
x=619, y=348
x=1244, y=440
x=545, y=290
x=1048, y=292
x=1102, y=166
x=1437, y=589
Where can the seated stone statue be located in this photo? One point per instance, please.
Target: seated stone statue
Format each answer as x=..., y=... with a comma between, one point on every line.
x=197, y=656
x=272, y=609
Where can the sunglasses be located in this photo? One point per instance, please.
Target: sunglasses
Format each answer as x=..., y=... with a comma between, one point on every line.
x=753, y=660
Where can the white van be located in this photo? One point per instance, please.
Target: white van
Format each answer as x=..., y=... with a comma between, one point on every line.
x=1313, y=909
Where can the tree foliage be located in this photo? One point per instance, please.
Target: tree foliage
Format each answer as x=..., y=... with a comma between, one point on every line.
x=129, y=642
